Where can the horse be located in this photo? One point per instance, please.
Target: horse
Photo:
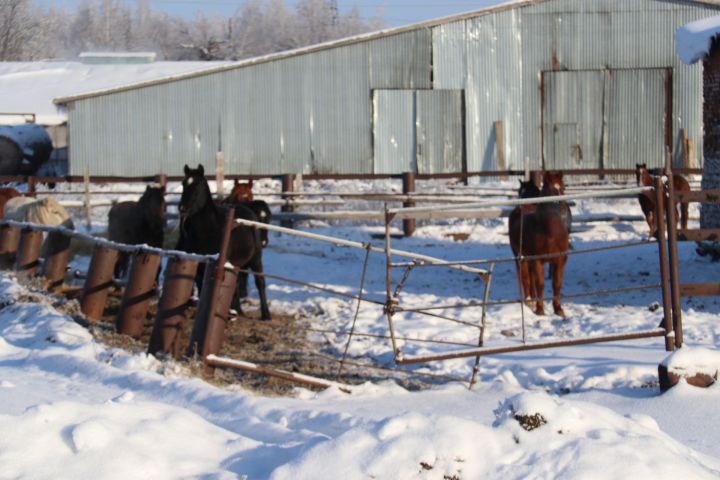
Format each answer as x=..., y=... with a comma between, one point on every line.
x=201, y=231
x=645, y=177
x=241, y=192
x=543, y=230
x=526, y=190
x=46, y=211
x=5, y=195
x=136, y=223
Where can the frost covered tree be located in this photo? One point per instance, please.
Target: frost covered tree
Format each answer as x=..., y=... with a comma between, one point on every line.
x=17, y=27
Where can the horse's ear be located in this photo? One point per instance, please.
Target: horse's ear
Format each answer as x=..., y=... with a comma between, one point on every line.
x=187, y=170
x=250, y=183
x=237, y=182
x=201, y=170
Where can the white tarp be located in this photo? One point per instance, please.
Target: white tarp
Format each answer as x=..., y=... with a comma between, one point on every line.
x=692, y=40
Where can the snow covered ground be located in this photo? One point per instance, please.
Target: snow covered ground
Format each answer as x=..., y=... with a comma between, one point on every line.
x=71, y=407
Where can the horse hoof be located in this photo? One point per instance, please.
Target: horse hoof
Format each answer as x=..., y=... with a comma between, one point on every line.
x=540, y=311
x=560, y=312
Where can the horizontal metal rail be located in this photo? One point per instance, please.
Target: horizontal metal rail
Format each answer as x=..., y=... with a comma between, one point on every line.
x=388, y=337
x=353, y=244
x=476, y=352
x=405, y=212
x=224, y=362
x=122, y=247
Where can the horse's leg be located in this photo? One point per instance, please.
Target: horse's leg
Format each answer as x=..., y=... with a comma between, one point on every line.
x=652, y=225
x=240, y=292
x=537, y=272
x=257, y=267
x=557, y=280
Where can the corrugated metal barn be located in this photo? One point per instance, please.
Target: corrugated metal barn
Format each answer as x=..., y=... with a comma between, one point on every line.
x=571, y=84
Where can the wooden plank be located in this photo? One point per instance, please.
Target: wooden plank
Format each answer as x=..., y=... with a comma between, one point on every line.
x=500, y=146
x=698, y=235
x=702, y=196
x=711, y=289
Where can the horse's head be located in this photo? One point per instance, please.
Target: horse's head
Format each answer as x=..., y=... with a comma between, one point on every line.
x=196, y=192
x=553, y=183
x=241, y=192
x=153, y=201
x=642, y=175
x=528, y=189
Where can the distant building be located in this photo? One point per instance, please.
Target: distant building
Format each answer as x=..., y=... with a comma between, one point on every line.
x=571, y=84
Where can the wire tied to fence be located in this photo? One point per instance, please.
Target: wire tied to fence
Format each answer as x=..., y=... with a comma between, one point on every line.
x=368, y=249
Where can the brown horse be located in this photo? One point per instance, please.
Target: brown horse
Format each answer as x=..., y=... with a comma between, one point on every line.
x=515, y=222
x=645, y=178
x=5, y=195
x=543, y=230
x=241, y=192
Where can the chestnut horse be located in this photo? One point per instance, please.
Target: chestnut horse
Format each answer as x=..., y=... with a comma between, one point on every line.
x=5, y=195
x=543, y=230
x=643, y=177
x=241, y=192
x=526, y=190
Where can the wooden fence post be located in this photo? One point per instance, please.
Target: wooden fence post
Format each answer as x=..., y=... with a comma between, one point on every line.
x=88, y=205
x=288, y=185
x=408, y=182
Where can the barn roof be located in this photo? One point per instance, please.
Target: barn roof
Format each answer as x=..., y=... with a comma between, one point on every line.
x=513, y=4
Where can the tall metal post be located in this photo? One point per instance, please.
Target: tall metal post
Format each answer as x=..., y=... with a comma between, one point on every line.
x=408, y=182
x=664, y=269
x=9, y=239
x=172, y=308
x=288, y=185
x=389, y=301
x=138, y=293
x=28, y=256
x=57, y=257
x=671, y=212
x=98, y=282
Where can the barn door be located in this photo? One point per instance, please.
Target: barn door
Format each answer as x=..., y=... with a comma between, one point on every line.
x=394, y=131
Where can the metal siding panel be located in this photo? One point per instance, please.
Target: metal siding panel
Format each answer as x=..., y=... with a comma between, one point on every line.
x=401, y=61
x=439, y=133
x=341, y=112
x=494, y=89
x=636, y=132
x=394, y=131
x=449, y=63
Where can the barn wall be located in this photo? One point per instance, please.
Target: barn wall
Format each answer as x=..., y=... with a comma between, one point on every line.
x=314, y=113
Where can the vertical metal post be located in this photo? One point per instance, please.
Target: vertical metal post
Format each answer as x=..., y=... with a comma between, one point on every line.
x=28, y=256
x=98, y=282
x=88, y=205
x=664, y=269
x=172, y=308
x=9, y=239
x=214, y=319
x=138, y=293
x=671, y=212
x=57, y=257
x=202, y=313
x=32, y=190
x=481, y=337
x=288, y=185
x=408, y=184
x=215, y=335
x=389, y=300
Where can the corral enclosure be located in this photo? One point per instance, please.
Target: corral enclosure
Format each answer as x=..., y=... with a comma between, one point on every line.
x=569, y=84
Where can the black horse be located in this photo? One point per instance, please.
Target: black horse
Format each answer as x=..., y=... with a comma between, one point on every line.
x=201, y=229
x=138, y=222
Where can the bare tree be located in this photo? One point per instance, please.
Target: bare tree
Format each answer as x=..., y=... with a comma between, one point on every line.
x=17, y=28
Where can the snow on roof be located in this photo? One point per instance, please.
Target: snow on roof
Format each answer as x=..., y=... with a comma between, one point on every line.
x=693, y=39
x=30, y=87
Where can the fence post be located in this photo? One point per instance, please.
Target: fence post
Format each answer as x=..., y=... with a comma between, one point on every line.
x=98, y=282
x=139, y=291
x=57, y=257
x=172, y=307
x=288, y=185
x=28, y=256
x=32, y=191
x=408, y=183
x=88, y=205
x=9, y=239
x=671, y=213
x=215, y=333
x=664, y=270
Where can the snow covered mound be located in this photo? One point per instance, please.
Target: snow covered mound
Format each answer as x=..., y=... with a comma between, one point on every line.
x=693, y=39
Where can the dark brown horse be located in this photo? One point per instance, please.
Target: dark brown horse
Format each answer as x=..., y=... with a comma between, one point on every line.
x=646, y=178
x=543, y=230
x=526, y=190
x=201, y=224
x=137, y=223
x=5, y=195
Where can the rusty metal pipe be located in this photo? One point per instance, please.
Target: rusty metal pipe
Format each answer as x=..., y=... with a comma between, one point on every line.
x=663, y=257
x=408, y=183
x=671, y=213
x=173, y=305
x=138, y=293
x=57, y=257
x=9, y=239
x=28, y=255
x=98, y=282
